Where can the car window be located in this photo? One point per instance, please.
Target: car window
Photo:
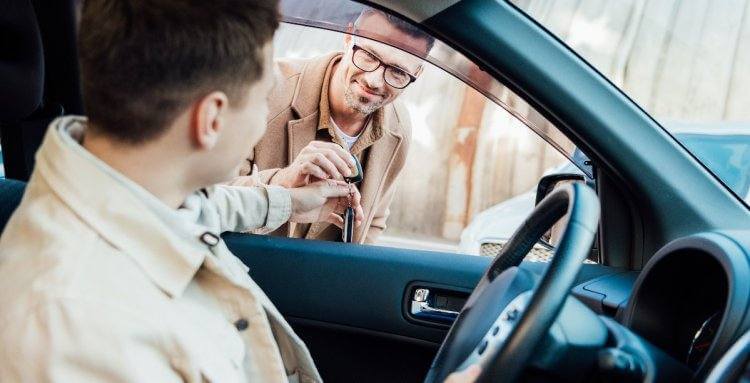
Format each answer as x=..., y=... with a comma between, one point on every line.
x=476, y=150
x=685, y=62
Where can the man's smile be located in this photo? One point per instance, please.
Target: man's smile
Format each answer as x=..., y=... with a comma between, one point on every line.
x=367, y=90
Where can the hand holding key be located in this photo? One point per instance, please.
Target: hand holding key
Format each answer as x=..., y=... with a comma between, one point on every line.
x=317, y=161
x=324, y=201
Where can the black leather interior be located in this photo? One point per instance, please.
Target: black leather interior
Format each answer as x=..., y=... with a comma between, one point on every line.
x=11, y=192
x=21, y=61
x=22, y=84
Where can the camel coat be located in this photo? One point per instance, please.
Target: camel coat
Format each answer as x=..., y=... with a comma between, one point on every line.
x=299, y=114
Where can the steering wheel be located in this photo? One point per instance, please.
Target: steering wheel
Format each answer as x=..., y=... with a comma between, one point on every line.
x=509, y=313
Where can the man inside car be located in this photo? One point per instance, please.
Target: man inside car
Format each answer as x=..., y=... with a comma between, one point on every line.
x=324, y=108
x=112, y=269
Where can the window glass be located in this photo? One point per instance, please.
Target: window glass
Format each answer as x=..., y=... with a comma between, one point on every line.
x=685, y=62
x=476, y=153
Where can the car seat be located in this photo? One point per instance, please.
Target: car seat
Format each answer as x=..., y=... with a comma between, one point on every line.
x=21, y=85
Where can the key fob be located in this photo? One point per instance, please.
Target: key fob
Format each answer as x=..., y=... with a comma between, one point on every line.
x=347, y=233
x=357, y=177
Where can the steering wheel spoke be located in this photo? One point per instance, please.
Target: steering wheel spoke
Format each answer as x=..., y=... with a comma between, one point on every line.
x=495, y=337
x=512, y=310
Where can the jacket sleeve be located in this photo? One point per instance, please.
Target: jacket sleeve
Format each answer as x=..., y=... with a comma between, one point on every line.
x=67, y=340
x=242, y=209
x=248, y=177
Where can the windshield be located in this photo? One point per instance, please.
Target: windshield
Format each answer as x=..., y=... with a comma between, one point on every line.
x=687, y=63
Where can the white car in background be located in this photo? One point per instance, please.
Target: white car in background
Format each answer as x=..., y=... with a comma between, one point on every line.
x=497, y=224
x=723, y=147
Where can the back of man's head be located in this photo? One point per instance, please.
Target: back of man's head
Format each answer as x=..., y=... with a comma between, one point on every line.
x=143, y=62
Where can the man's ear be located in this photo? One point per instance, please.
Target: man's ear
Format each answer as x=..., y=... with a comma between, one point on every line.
x=209, y=117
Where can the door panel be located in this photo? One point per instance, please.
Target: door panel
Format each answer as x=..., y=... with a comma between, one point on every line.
x=347, y=302
x=354, y=285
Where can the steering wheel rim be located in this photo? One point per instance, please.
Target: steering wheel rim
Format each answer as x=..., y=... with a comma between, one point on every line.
x=503, y=285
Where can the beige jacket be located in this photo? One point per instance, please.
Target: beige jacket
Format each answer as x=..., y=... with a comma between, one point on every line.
x=299, y=114
x=100, y=281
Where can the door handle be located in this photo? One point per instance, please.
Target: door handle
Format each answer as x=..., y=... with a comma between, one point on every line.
x=422, y=308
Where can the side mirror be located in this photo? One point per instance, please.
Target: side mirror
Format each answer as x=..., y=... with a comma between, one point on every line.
x=548, y=183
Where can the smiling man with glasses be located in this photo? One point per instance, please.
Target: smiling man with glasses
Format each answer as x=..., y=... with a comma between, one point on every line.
x=325, y=109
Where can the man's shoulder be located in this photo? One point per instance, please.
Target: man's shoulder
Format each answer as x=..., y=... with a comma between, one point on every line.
x=288, y=71
x=291, y=74
x=291, y=67
x=48, y=253
x=287, y=68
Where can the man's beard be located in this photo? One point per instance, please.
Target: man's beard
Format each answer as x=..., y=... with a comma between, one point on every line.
x=360, y=104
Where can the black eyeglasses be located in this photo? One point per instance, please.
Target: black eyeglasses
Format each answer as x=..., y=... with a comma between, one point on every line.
x=368, y=62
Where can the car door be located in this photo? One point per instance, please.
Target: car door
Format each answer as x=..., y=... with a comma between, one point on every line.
x=378, y=312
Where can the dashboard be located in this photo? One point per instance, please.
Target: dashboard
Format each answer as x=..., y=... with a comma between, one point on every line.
x=691, y=299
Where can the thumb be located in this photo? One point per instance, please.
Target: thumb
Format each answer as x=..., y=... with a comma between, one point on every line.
x=468, y=375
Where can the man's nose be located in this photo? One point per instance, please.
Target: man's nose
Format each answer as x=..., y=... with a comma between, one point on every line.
x=375, y=79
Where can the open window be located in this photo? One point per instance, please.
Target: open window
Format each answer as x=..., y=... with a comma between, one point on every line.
x=477, y=150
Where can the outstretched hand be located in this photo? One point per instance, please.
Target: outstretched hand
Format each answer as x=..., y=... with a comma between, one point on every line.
x=325, y=201
x=317, y=161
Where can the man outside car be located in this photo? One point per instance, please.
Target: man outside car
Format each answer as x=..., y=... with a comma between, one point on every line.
x=327, y=107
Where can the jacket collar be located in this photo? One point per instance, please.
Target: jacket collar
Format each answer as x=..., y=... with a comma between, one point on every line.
x=116, y=208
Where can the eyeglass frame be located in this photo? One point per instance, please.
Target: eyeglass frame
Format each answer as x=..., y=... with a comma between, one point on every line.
x=356, y=47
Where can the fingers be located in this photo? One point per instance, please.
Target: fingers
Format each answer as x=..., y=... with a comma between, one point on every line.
x=468, y=375
x=357, y=205
x=342, y=190
x=340, y=159
x=316, y=171
x=336, y=219
x=336, y=158
x=334, y=188
x=338, y=150
x=324, y=163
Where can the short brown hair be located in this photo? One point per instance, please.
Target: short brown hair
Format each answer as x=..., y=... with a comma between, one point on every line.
x=400, y=24
x=144, y=61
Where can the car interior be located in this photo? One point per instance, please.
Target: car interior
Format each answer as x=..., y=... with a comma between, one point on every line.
x=667, y=300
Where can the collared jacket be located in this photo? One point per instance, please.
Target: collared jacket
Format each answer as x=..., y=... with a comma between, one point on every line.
x=100, y=281
x=299, y=114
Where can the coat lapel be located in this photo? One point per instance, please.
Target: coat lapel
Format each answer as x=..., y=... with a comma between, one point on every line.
x=305, y=104
x=301, y=132
x=380, y=159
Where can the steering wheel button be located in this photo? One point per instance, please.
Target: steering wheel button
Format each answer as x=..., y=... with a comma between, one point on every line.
x=482, y=347
x=512, y=314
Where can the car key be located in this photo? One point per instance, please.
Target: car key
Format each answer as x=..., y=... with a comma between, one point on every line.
x=356, y=177
x=347, y=233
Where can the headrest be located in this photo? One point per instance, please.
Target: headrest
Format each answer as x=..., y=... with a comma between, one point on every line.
x=21, y=60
